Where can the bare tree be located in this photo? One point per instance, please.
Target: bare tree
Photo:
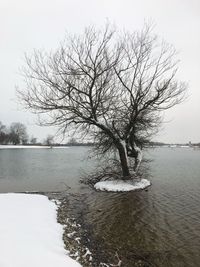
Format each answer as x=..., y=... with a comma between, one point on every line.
x=49, y=140
x=4, y=138
x=109, y=86
x=18, y=133
x=33, y=140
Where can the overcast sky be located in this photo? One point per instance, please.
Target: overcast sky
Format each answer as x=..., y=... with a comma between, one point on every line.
x=29, y=24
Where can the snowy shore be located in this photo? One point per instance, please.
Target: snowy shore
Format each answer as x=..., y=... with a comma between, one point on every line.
x=30, y=234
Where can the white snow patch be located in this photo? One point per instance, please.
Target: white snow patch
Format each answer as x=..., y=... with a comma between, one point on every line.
x=30, y=234
x=122, y=186
x=88, y=253
x=70, y=235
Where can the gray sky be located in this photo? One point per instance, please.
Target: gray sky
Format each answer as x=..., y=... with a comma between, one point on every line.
x=29, y=24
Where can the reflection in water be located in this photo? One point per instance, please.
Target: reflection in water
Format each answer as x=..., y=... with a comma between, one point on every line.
x=159, y=227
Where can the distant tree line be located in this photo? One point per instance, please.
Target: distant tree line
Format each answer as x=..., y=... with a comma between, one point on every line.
x=74, y=142
x=15, y=134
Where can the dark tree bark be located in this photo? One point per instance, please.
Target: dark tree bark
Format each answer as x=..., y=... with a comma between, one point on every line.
x=123, y=161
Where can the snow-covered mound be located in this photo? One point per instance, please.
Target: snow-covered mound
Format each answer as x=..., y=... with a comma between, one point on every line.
x=30, y=234
x=121, y=185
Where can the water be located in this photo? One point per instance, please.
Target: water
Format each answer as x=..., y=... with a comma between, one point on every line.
x=42, y=169
x=160, y=226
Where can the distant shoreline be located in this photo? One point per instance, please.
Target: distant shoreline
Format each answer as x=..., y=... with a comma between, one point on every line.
x=92, y=144
x=43, y=146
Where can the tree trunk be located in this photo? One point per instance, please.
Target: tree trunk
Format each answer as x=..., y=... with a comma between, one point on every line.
x=138, y=157
x=123, y=161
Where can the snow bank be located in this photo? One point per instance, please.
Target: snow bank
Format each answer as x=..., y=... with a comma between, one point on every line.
x=30, y=235
x=122, y=186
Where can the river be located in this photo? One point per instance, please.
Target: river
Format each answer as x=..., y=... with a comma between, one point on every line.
x=160, y=225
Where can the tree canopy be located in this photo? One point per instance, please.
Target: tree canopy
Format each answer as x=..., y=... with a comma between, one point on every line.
x=112, y=86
